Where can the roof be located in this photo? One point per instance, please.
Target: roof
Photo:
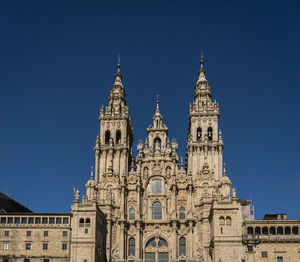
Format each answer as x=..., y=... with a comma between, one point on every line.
x=8, y=205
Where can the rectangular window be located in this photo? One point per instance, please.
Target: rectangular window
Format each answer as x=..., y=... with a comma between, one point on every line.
x=156, y=186
x=30, y=220
x=26, y=260
x=10, y=220
x=279, y=259
x=5, y=246
x=38, y=220
x=24, y=220
x=250, y=248
x=27, y=246
x=64, y=246
x=65, y=233
x=65, y=220
x=45, y=233
x=45, y=246
x=163, y=256
x=46, y=260
x=150, y=256
x=28, y=233
x=6, y=233
x=17, y=220
x=243, y=260
x=3, y=220
x=86, y=231
x=45, y=220
x=58, y=220
x=264, y=254
x=51, y=220
x=85, y=260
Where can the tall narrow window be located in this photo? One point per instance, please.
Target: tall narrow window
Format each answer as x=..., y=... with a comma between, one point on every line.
x=131, y=214
x=166, y=188
x=156, y=186
x=156, y=211
x=279, y=259
x=118, y=137
x=181, y=213
x=131, y=249
x=199, y=134
x=210, y=134
x=107, y=136
x=182, y=246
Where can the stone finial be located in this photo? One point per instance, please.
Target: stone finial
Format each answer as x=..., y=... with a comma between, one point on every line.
x=118, y=76
x=181, y=163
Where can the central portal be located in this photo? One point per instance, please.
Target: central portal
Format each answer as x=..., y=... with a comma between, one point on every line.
x=156, y=250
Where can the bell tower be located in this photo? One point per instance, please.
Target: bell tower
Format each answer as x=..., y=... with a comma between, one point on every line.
x=113, y=148
x=113, y=155
x=205, y=144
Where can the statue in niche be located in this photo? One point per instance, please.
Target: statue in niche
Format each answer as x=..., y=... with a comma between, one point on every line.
x=109, y=193
x=157, y=147
x=168, y=171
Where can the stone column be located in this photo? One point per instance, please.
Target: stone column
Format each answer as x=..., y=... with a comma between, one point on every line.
x=138, y=240
x=174, y=249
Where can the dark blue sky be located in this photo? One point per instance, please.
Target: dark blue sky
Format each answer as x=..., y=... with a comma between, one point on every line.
x=57, y=65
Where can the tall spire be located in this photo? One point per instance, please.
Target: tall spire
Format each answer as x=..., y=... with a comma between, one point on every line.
x=201, y=73
x=118, y=76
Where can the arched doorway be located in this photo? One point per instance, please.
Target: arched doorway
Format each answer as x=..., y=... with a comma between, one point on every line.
x=156, y=250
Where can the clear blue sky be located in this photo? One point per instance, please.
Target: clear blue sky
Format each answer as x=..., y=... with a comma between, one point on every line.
x=57, y=65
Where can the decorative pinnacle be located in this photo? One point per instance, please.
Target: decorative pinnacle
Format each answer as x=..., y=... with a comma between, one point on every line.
x=118, y=74
x=201, y=61
x=157, y=103
x=92, y=173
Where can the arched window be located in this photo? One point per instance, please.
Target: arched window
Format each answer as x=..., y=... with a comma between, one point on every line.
x=118, y=137
x=107, y=137
x=182, y=246
x=81, y=222
x=228, y=221
x=221, y=221
x=280, y=230
x=87, y=221
x=250, y=230
x=199, y=134
x=156, y=211
x=131, y=248
x=210, y=134
x=181, y=213
x=265, y=231
x=257, y=231
x=272, y=230
x=156, y=186
x=131, y=214
x=295, y=230
x=151, y=243
x=148, y=189
x=287, y=230
x=162, y=243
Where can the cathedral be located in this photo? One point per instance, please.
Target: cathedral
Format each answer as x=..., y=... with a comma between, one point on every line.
x=152, y=207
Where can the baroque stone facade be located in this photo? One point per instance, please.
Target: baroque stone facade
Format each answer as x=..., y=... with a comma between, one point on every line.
x=153, y=207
